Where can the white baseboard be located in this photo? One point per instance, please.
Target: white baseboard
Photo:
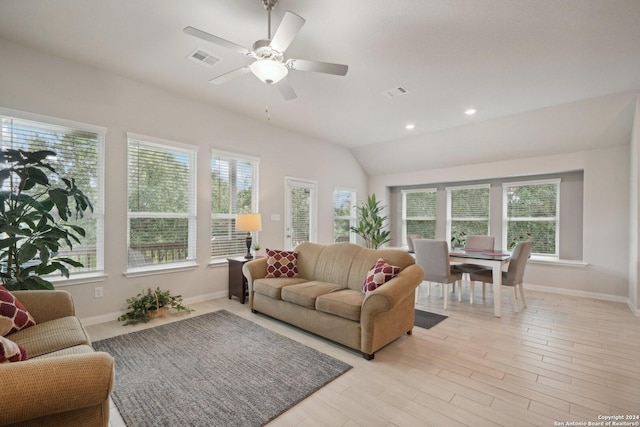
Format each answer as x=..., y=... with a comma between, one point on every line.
x=103, y=318
x=594, y=295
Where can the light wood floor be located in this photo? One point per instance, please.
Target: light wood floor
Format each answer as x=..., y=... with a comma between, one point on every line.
x=563, y=359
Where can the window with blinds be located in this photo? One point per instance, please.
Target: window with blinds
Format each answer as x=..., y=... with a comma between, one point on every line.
x=79, y=155
x=162, y=202
x=419, y=213
x=234, y=189
x=344, y=217
x=532, y=213
x=468, y=210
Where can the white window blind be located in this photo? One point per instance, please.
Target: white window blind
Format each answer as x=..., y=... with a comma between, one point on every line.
x=531, y=212
x=344, y=201
x=79, y=155
x=419, y=213
x=468, y=210
x=162, y=202
x=234, y=189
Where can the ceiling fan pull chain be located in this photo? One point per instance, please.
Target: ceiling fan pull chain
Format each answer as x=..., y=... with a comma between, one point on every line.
x=266, y=108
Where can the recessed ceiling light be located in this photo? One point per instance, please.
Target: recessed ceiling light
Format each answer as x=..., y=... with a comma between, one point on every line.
x=410, y=126
x=470, y=112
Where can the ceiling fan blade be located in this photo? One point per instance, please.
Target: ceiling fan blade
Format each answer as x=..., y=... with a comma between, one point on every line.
x=230, y=75
x=216, y=40
x=317, y=66
x=286, y=90
x=286, y=32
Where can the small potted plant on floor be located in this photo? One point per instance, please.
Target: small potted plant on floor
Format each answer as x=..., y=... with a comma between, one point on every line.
x=151, y=304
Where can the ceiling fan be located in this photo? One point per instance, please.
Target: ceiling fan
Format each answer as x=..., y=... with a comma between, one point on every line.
x=269, y=65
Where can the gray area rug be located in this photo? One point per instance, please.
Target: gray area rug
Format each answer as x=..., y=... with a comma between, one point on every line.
x=426, y=319
x=216, y=369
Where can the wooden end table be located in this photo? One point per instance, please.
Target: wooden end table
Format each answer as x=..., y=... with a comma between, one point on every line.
x=238, y=286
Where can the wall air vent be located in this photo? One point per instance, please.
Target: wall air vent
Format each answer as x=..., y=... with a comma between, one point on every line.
x=203, y=57
x=395, y=92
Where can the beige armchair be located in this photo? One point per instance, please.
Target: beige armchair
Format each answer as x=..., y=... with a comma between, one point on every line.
x=64, y=382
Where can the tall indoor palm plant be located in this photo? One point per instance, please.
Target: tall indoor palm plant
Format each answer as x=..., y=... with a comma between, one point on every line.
x=34, y=213
x=371, y=224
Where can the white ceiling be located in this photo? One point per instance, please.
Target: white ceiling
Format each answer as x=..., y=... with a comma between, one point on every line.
x=502, y=57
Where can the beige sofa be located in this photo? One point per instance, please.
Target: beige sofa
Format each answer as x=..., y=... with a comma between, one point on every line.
x=64, y=382
x=327, y=299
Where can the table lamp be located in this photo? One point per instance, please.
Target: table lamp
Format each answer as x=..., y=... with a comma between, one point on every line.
x=248, y=222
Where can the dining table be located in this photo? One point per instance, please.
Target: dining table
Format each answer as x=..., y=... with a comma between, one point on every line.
x=494, y=259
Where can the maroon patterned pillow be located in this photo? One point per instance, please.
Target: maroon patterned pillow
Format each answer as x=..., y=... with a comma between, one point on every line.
x=13, y=315
x=282, y=263
x=380, y=273
x=11, y=352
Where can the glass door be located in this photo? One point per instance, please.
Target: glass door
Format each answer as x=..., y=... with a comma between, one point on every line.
x=300, y=212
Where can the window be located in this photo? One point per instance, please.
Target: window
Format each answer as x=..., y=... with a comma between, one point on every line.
x=234, y=189
x=162, y=202
x=531, y=212
x=419, y=213
x=344, y=201
x=79, y=155
x=468, y=210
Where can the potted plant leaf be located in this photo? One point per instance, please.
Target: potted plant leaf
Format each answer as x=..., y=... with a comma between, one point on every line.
x=151, y=304
x=36, y=204
x=371, y=223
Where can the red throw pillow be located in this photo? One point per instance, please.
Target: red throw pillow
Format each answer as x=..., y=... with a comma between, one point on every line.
x=11, y=352
x=380, y=273
x=13, y=315
x=282, y=263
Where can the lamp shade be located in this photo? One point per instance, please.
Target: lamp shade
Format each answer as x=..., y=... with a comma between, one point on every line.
x=268, y=70
x=248, y=222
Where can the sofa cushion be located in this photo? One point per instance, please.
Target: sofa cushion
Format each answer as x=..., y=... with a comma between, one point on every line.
x=13, y=315
x=11, y=352
x=345, y=303
x=273, y=287
x=305, y=294
x=282, y=263
x=378, y=275
x=51, y=336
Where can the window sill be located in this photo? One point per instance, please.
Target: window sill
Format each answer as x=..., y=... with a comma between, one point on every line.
x=218, y=262
x=160, y=269
x=77, y=279
x=557, y=262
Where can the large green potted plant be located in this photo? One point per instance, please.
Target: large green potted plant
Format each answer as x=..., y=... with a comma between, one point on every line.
x=371, y=223
x=36, y=205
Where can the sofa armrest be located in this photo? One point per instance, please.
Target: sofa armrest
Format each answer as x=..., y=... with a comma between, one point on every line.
x=392, y=293
x=46, y=305
x=41, y=387
x=256, y=269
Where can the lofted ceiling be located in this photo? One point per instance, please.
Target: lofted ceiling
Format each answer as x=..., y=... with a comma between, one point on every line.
x=501, y=57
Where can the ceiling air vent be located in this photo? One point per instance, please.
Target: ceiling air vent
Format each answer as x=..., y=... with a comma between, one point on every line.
x=203, y=57
x=395, y=92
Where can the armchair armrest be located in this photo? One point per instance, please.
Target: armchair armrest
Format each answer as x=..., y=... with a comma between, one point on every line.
x=392, y=293
x=40, y=387
x=47, y=305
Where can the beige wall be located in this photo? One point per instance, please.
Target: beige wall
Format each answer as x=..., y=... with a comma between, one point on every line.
x=634, y=225
x=38, y=83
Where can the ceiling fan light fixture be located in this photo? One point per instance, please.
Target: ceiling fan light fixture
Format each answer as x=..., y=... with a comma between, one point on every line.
x=268, y=70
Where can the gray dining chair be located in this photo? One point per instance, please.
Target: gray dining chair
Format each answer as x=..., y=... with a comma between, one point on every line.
x=433, y=257
x=482, y=243
x=514, y=275
x=410, y=239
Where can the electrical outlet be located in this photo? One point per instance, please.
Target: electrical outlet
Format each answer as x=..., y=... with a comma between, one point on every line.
x=98, y=292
